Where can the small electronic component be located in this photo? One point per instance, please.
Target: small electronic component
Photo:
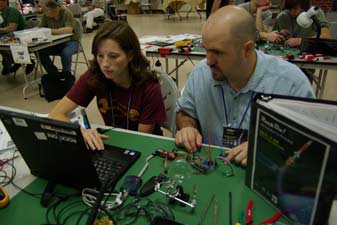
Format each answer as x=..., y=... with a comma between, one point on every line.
x=148, y=187
x=4, y=197
x=164, y=154
x=131, y=185
x=204, y=166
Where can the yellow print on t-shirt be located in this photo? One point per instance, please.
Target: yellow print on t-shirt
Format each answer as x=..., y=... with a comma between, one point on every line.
x=104, y=107
x=133, y=115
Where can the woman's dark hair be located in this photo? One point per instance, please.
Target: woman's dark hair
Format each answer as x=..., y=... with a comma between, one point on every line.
x=126, y=38
x=304, y=4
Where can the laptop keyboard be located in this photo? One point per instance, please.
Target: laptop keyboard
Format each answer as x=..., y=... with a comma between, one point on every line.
x=103, y=168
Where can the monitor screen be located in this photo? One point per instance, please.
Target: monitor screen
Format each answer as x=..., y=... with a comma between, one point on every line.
x=327, y=47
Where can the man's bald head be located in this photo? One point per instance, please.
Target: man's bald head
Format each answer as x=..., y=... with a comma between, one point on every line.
x=233, y=22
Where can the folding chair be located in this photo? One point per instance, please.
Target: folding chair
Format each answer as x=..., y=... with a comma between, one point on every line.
x=170, y=93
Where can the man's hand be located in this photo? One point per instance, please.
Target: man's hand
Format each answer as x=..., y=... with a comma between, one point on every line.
x=273, y=37
x=188, y=137
x=293, y=42
x=238, y=154
x=93, y=139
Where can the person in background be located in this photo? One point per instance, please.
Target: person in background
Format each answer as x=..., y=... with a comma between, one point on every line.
x=127, y=92
x=93, y=9
x=215, y=105
x=11, y=20
x=61, y=21
x=213, y=5
x=259, y=9
x=286, y=23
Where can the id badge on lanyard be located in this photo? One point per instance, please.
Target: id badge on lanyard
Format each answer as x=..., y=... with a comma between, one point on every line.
x=232, y=136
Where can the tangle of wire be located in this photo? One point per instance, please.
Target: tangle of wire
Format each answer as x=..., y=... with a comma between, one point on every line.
x=227, y=163
x=64, y=209
x=68, y=209
x=130, y=213
x=89, y=198
x=5, y=178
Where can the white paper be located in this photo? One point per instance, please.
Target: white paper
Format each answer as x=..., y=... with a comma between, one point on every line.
x=20, y=54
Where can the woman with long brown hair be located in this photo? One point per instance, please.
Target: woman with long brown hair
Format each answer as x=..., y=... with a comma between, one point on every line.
x=127, y=92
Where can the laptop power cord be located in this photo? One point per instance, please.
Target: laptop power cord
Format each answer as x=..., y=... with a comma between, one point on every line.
x=112, y=200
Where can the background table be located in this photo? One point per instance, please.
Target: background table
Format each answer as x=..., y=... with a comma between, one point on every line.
x=199, y=54
x=34, y=48
x=176, y=5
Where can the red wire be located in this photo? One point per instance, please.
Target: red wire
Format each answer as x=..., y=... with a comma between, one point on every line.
x=209, y=146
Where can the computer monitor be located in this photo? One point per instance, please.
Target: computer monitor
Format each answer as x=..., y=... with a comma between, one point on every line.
x=326, y=47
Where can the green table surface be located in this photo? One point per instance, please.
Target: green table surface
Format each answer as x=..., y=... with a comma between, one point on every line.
x=25, y=209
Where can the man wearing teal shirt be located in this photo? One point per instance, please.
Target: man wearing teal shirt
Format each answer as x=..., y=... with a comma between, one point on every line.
x=12, y=21
x=219, y=92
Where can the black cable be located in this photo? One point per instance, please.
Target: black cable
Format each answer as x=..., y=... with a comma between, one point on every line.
x=68, y=207
x=9, y=162
x=73, y=214
x=51, y=206
x=8, y=179
x=35, y=195
x=58, y=210
x=81, y=216
x=107, y=183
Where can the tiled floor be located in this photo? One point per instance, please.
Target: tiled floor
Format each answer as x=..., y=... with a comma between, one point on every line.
x=148, y=24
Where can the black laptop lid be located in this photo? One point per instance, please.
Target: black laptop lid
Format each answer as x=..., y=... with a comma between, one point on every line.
x=52, y=149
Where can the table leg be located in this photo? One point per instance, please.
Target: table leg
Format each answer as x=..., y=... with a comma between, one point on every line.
x=34, y=81
x=26, y=84
x=177, y=66
x=196, y=9
x=167, y=67
x=318, y=83
x=325, y=73
x=189, y=12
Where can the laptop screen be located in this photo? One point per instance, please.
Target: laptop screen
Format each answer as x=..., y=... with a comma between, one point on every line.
x=55, y=150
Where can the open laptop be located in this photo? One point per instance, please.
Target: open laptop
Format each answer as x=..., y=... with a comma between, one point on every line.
x=56, y=151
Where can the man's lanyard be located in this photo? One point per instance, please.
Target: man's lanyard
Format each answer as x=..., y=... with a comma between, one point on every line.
x=127, y=113
x=245, y=112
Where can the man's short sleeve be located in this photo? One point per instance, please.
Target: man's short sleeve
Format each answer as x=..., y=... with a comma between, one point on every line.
x=186, y=102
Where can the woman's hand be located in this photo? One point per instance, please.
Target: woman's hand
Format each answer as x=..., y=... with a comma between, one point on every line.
x=93, y=139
